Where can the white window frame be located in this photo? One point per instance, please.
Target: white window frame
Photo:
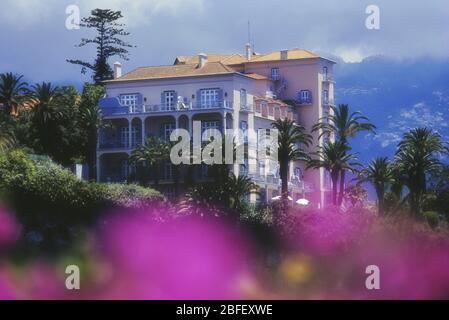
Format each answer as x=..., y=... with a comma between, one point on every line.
x=124, y=136
x=305, y=95
x=168, y=128
x=206, y=125
x=243, y=98
x=275, y=73
x=209, y=98
x=326, y=96
x=169, y=99
x=244, y=128
x=129, y=100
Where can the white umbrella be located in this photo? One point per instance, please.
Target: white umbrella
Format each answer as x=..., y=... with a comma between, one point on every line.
x=303, y=202
x=280, y=197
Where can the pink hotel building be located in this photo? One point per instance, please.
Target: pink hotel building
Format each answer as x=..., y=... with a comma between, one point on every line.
x=223, y=91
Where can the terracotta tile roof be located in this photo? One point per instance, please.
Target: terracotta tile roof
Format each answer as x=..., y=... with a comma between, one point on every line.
x=228, y=59
x=293, y=54
x=256, y=76
x=235, y=59
x=175, y=71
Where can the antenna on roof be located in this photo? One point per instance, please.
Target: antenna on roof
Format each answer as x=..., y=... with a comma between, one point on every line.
x=251, y=41
x=249, y=31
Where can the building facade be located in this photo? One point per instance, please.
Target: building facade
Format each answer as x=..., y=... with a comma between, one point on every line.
x=234, y=91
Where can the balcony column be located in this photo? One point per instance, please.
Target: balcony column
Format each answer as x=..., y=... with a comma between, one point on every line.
x=224, y=123
x=190, y=117
x=130, y=125
x=143, y=130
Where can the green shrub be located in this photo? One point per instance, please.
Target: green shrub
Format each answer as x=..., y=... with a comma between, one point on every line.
x=52, y=202
x=432, y=218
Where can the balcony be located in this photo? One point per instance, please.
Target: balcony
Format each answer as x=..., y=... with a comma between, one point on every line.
x=268, y=179
x=305, y=101
x=112, y=107
x=328, y=78
x=328, y=102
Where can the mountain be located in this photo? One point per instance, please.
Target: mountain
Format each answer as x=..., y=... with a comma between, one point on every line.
x=396, y=95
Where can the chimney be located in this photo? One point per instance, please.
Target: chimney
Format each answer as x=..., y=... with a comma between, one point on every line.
x=248, y=51
x=202, y=60
x=117, y=70
x=284, y=55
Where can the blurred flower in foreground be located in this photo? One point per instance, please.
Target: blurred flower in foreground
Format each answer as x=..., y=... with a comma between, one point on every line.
x=9, y=229
x=186, y=258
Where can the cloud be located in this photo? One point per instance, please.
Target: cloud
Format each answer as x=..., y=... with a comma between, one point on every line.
x=418, y=115
x=163, y=29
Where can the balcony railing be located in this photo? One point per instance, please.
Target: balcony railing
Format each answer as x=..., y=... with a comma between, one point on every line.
x=328, y=78
x=124, y=110
x=268, y=179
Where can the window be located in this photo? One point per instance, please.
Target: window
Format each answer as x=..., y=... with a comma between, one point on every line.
x=124, y=137
x=243, y=98
x=169, y=100
x=305, y=96
x=275, y=74
x=209, y=98
x=261, y=168
x=167, y=130
x=326, y=96
x=206, y=125
x=325, y=71
x=244, y=128
x=129, y=100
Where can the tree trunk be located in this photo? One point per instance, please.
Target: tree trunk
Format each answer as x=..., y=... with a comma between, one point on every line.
x=380, y=201
x=284, y=178
x=334, y=177
x=342, y=187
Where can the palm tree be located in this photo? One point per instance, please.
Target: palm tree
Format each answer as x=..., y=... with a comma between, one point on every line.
x=416, y=157
x=45, y=113
x=91, y=121
x=333, y=157
x=12, y=92
x=380, y=174
x=237, y=188
x=7, y=141
x=342, y=124
x=291, y=138
x=153, y=153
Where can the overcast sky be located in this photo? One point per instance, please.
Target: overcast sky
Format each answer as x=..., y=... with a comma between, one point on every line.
x=35, y=41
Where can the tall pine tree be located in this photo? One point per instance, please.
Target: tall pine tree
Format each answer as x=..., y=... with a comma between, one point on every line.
x=107, y=41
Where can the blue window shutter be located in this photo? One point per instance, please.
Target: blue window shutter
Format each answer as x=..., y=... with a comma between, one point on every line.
x=163, y=98
x=139, y=99
x=198, y=98
x=220, y=95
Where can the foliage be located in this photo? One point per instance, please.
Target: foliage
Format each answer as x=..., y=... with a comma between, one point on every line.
x=227, y=198
x=416, y=157
x=107, y=42
x=12, y=92
x=152, y=153
x=432, y=218
x=90, y=121
x=356, y=195
x=333, y=157
x=341, y=124
x=380, y=174
x=53, y=205
x=291, y=139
